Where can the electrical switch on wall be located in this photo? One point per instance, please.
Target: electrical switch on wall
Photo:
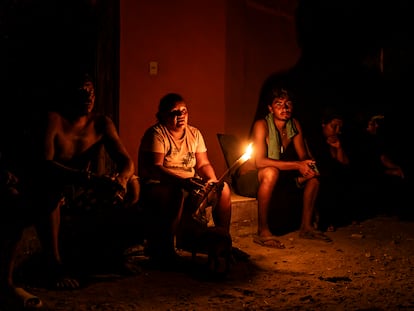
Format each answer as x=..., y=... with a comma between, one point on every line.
x=153, y=68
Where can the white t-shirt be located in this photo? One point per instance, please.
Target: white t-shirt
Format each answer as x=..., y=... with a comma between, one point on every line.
x=179, y=154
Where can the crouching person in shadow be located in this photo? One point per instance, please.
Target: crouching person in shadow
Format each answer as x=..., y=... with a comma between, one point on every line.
x=16, y=215
x=172, y=154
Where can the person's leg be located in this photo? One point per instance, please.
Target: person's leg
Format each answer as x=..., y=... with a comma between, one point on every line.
x=8, y=289
x=49, y=231
x=222, y=212
x=11, y=232
x=222, y=222
x=267, y=181
x=163, y=205
x=7, y=258
x=310, y=193
x=268, y=178
x=54, y=232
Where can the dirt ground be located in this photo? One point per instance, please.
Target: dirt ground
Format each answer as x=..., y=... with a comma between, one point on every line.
x=369, y=266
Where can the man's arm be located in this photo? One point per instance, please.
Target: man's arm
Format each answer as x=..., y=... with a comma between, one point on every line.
x=337, y=151
x=53, y=123
x=52, y=168
x=259, y=136
x=391, y=168
x=118, y=153
x=204, y=167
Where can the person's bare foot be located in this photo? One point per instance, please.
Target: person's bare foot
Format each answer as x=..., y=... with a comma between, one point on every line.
x=17, y=298
x=62, y=279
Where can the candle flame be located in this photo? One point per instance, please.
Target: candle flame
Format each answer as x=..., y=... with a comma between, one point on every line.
x=249, y=150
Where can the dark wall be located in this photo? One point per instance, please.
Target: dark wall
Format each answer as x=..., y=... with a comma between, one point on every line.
x=342, y=42
x=356, y=58
x=44, y=47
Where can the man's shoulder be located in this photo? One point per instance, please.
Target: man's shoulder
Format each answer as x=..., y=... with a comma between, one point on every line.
x=101, y=120
x=260, y=121
x=54, y=118
x=54, y=115
x=259, y=124
x=100, y=116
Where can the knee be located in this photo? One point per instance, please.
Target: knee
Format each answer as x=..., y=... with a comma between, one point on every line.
x=268, y=176
x=313, y=183
x=226, y=193
x=133, y=191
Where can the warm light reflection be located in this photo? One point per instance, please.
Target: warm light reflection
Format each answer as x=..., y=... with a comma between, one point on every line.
x=249, y=150
x=239, y=162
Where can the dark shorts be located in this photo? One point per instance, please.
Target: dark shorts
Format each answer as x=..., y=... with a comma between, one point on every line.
x=98, y=193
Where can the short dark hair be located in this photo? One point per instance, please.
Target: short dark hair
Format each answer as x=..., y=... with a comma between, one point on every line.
x=167, y=102
x=276, y=92
x=330, y=113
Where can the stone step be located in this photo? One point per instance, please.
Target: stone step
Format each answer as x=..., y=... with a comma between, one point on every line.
x=244, y=216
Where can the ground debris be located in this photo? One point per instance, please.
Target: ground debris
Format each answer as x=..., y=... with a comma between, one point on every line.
x=335, y=279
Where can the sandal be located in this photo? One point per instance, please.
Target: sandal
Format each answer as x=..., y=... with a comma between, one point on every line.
x=315, y=235
x=268, y=241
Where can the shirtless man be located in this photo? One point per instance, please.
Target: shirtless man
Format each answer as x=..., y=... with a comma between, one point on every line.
x=71, y=141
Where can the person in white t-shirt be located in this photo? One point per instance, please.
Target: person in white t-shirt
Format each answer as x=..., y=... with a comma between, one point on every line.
x=171, y=154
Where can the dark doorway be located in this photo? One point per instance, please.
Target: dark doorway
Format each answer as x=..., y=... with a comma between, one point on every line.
x=43, y=44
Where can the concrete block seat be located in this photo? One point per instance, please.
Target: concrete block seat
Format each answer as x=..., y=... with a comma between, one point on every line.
x=244, y=215
x=244, y=209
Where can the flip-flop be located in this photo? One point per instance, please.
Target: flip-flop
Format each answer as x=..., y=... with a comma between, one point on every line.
x=268, y=241
x=315, y=235
x=30, y=301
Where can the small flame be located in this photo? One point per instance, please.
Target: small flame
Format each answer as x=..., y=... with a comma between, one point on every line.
x=249, y=150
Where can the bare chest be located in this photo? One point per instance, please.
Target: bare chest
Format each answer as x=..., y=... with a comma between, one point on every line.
x=74, y=141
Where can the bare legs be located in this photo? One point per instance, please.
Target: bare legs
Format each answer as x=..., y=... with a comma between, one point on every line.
x=267, y=181
x=310, y=193
x=268, y=178
x=222, y=215
x=48, y=232
x=11, y=295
